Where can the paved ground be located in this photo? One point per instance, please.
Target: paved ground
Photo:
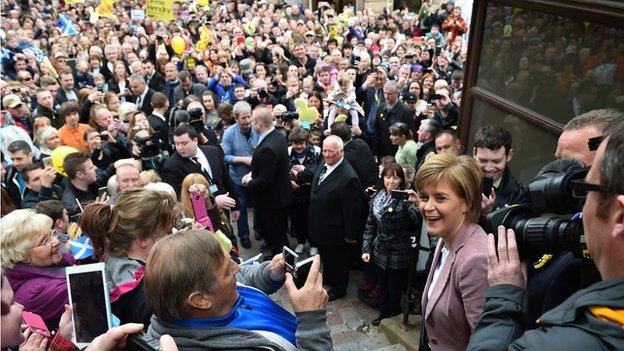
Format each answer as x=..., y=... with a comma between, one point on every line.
x=348, y=318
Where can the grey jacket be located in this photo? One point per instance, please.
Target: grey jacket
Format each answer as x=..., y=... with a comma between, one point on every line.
x=570, y=326
x=312, y=330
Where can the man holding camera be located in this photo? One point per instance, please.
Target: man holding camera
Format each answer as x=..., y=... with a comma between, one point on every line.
x=217, y=304
x=592, y=318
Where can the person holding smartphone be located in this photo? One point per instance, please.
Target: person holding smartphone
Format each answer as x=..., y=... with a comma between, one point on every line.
x=390, y=231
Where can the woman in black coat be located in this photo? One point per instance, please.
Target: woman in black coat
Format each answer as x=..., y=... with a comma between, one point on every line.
x=390, y=231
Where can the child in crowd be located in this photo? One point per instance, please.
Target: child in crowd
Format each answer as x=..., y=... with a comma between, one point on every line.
x=343, y=100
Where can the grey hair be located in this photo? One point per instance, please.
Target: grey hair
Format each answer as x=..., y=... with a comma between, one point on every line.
x=138, y=78
x=241, y=107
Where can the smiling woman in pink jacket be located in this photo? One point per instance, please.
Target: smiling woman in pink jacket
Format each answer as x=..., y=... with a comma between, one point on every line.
x=449, y=189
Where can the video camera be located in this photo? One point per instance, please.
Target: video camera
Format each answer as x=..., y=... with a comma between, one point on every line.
x=148, y=146
x=289, y=116
x=193, y=117
x=551, y=192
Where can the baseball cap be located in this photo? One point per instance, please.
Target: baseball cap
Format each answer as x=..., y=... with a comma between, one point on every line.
x=11, y=101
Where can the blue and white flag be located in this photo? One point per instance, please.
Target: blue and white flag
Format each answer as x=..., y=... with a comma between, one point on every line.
x=81, y=248
x=66, y=25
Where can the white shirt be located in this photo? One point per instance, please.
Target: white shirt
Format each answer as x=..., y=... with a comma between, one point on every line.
x=203, y=161
x=330, y=169
x=141, y=98
x=160, y=116
x=443, y=255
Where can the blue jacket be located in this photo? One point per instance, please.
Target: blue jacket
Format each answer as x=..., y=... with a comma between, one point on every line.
x=225, y=95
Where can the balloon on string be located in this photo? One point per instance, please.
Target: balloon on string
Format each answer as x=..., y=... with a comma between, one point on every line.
x=178, y=44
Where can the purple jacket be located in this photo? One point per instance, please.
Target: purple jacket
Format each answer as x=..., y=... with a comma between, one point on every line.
x=42, y=290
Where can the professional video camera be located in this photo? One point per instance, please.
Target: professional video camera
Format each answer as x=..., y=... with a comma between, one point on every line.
x=148, y=146
x=289, y=116
x=193, y=117
x=551, y=192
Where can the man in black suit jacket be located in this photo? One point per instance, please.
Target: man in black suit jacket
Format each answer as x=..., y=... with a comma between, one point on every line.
x=269, y=181
x=335, y=201
x=206, y=160
x=390, y=112
x=67, y=91
x=141, y=93
x=158, y=121
x=154, y=79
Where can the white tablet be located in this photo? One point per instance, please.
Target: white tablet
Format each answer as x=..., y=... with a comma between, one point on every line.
x=88, y=296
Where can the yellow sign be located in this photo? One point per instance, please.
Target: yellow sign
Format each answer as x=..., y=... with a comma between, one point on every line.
x=74, y=1
x=160, y=10
x=105, y=8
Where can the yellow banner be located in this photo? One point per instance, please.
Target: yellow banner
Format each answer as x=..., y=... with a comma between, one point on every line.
x=74, y=1
x=160, y=10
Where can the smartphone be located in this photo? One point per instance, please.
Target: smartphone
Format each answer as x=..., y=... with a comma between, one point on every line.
x=400, y=194
x=488, y=183
x=47, y=161
x=201, y=212
x=101, y=191
x=142, y=342
x=302, y=269
x=290, y=259
x=36, y=324
x=90, y=301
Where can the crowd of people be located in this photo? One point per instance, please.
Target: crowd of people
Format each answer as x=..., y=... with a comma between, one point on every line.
x=150, y=142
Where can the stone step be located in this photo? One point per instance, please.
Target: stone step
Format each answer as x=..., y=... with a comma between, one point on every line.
x=395, y=347
x=398, y=333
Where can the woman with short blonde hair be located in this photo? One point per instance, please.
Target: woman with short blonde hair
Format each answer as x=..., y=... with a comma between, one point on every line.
x=449, y=196
x=33, y=263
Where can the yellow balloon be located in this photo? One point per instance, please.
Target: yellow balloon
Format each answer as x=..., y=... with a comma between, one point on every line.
x=300, y=104
x=309, y=115
x=177, y=44
x=202, y=2
x=58, y=156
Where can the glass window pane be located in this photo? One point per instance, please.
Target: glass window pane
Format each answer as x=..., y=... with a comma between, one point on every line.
x=533, y=147
x=556, y=66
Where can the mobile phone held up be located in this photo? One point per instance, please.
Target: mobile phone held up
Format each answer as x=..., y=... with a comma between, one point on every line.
x=488, y=183
x=298, y=268
x=400, y=194
x=142, y=342
x=36, y=324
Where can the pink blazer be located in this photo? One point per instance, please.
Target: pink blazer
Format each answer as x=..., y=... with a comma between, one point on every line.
x=457, y=298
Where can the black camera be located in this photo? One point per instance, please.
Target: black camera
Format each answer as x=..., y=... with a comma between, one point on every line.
x=148, y=146
x=551, y=192
x=262, y=94
x=193, y=117
x=289, y=116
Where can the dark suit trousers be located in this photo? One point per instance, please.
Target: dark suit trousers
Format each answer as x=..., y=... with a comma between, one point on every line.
x=336, y=263
x=273, y=223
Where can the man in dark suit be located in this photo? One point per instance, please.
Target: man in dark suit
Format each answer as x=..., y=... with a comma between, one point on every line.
x=187, y=87
x=269, y=181
x=358, y=153
x=335, y=202
x=141, y=93
x=390, y=112
x=67, y=91
x=157, y=119
x=154, y=79
x=427, y=132
x=206, y=160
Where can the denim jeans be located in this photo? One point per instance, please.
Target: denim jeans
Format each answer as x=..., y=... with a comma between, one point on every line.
x=243, y=222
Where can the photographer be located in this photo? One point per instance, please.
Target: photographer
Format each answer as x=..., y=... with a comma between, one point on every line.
x=210, y=310
x=147, y=147
x=590, y=319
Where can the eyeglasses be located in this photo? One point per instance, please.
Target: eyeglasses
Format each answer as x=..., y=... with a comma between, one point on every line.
x=48, y=240
x=580, y=188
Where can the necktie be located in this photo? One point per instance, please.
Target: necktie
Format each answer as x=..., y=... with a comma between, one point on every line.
x=323, y=174
x=195, y=159
x=138, y=102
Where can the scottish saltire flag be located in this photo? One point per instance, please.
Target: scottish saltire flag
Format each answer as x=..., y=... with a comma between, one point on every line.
x=66, y=25
x=81, y=248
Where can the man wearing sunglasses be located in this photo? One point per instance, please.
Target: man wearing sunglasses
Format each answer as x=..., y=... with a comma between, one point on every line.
x=590, y=319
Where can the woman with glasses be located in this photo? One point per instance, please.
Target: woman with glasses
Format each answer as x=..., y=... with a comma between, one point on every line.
x=34, y=264
x=122, y=236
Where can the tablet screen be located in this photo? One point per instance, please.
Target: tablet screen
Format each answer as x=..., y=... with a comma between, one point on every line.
x=89, y=305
